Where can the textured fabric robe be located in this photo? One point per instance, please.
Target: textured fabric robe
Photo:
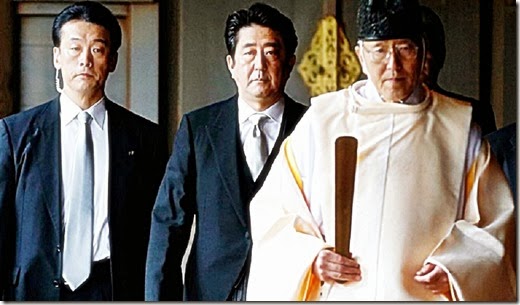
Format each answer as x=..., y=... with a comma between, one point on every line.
x=427, y=190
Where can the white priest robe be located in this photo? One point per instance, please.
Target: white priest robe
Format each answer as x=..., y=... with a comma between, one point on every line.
x=427, y=189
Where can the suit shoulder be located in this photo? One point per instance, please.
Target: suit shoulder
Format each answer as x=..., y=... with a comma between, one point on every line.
x=296, y=106
x=132, y=117
x=23, y=123
x=211, y=108
x=209, y=112
x=27, y=116
x=504, y=134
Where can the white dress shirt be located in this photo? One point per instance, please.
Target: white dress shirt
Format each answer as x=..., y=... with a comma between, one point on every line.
x=99, y=127
x=270, y=127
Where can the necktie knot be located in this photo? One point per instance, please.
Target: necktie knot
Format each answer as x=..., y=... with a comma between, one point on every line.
x=84, y=117
x=256, y=119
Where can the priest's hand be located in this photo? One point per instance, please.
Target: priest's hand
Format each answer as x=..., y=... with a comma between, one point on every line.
x=434, y=279
x=330, y=267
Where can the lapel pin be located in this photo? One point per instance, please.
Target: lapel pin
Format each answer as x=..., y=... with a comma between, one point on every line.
x=131, y=153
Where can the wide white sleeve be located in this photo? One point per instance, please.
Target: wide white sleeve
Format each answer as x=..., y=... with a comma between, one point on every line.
x=477, y=251
x=285, y=236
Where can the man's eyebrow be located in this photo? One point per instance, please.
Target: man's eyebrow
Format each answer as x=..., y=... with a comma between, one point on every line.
x=269, y=44
x=272, y=44
x=100, y=40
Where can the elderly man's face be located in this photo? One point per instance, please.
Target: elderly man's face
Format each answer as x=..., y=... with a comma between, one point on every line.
x=84, y=59
x=392, y=65
x=259, y=67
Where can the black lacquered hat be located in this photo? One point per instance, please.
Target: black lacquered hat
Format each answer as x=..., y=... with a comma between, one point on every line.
x=389, y=19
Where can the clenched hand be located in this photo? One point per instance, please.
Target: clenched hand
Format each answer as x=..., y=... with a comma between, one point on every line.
x=330, y=267
x=434, y=279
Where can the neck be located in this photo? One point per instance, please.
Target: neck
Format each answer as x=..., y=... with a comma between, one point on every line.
x=84, y=100
x=262, y=104
x=415, y=97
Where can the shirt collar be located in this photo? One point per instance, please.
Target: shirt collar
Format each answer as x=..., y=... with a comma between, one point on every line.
x=275, y=112
x=69, y=110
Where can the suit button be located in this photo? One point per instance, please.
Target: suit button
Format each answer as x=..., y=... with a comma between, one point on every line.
x=56, y=283
x=58, y=248
x=247, y=235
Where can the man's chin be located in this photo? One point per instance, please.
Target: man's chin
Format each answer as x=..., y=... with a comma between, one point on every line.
x=395, y=95
x=85, y=89
x=261, y=94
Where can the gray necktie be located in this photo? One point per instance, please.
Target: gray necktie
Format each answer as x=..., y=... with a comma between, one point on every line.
x=77, y=252
x=255, y=145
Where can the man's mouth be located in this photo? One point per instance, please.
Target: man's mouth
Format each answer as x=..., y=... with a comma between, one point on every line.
x=84, y=75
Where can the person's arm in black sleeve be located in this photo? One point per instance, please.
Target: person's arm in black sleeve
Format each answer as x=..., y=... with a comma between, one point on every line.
x=172, y=218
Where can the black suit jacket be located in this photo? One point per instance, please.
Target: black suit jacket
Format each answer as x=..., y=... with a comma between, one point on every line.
x=31, y=226
x=206, y=176
x=503, y=145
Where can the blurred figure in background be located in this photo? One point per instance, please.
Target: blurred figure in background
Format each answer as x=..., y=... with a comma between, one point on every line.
x=503, y=144
x=434, y=33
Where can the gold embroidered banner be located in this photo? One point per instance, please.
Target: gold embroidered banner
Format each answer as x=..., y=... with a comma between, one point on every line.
x=330, y=64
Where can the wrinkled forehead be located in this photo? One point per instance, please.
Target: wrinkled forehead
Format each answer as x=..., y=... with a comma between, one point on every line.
x=258, y=34
x=79, y=29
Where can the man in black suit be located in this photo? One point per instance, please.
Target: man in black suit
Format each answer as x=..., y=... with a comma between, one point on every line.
x=213, y=172
x=503, y=145
x=78, y=177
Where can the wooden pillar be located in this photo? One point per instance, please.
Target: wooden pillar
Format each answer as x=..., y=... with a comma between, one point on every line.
x=7, y=62
x=169, y=56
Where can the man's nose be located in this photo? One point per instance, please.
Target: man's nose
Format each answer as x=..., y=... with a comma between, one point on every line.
x=393, y=60
x=85, y=58
x=259, y=61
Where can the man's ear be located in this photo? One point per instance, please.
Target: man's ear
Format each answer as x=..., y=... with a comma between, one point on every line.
x=113, y=62
x=56, y=58
x=290, y=63
x=230, y=64
x=361, y=59
x=288, y=66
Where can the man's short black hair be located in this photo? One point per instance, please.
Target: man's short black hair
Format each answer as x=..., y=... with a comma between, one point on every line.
x=435, y=39
x=263, y=15
x=92, y=12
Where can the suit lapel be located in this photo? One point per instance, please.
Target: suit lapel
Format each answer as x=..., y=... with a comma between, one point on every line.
x=291, y=115
x=223, y=138
x=121, y=156
x=510, y=156
x=45, y=142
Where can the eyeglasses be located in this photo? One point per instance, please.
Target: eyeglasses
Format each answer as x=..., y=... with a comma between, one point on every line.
x=381, y=53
